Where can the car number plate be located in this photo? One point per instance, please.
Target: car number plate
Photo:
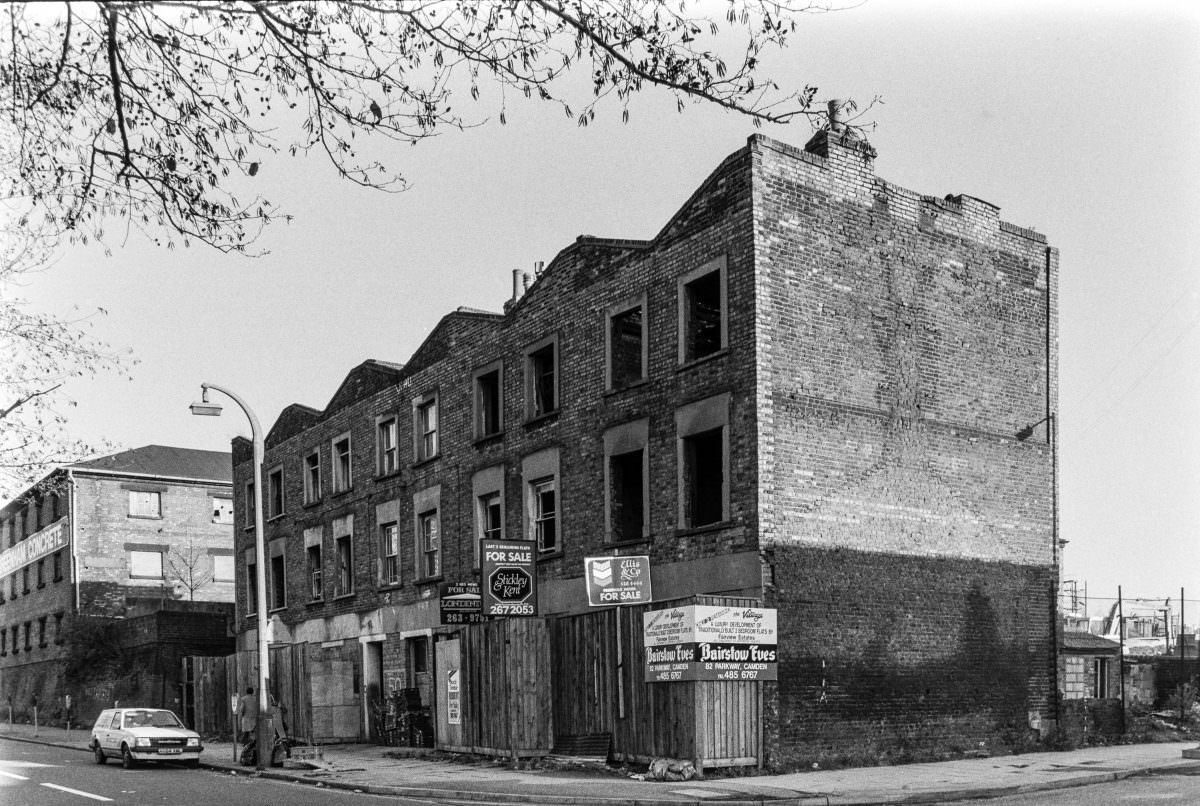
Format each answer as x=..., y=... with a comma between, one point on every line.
x=170, y=750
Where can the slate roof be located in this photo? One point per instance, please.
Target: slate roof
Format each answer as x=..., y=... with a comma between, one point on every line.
x=1086, y=642
x=164, y=461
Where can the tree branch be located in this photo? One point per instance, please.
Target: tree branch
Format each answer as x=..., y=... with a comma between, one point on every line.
x=21, y=401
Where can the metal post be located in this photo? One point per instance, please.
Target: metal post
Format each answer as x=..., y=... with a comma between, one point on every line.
x=260, y=582
x=1121, y=657
x=1182, y=670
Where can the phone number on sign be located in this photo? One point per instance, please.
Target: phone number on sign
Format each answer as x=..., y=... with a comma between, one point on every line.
x=510, y=610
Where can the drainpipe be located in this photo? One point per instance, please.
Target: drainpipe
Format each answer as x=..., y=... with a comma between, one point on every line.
x=74, y=545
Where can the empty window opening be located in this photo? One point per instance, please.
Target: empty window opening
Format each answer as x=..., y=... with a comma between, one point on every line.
x=704, y=477
x=703, y=314
x=626, y=493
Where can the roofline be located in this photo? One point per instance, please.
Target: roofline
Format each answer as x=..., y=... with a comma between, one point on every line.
x=87, y=471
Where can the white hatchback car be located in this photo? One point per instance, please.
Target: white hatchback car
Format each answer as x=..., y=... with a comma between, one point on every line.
x=144, y=734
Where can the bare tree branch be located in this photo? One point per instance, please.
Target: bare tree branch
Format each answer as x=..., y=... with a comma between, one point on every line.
x=159, y=115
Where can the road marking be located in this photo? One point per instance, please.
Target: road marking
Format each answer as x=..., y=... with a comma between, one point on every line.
x=13, y=775
x=78, y=792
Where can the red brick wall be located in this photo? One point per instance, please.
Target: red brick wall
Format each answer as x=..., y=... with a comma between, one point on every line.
x=886, y=658
x=905, y=342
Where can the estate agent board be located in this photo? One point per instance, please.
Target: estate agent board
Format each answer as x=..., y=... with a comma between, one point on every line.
x=709, y=642
x=509, y=575
x=617, y=580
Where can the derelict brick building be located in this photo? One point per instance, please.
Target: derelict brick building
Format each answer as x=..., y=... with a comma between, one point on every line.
x=804, y=391
x=111, y=570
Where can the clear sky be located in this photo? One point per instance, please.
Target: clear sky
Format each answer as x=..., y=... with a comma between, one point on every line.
x=1079, y=120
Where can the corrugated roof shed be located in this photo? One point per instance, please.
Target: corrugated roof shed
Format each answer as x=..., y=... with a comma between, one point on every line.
x=1086, y=642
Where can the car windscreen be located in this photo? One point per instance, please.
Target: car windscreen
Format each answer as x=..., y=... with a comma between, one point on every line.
x=165, y=719
x=151, y=719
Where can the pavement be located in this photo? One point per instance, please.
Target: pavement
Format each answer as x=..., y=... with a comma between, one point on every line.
x=407, y=773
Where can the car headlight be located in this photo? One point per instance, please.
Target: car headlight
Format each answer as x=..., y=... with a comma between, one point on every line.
x=193, y=741
x=143, y=741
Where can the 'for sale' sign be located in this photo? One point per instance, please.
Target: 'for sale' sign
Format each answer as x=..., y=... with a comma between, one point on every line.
x=509, y=577
x=617, y=580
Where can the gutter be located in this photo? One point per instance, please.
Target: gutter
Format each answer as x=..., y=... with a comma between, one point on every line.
x=186, y=479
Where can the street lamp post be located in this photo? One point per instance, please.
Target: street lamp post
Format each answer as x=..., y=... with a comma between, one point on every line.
x=205, y=408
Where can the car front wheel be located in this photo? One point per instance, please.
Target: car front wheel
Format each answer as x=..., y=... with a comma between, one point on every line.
x=99, y=751
x=127, y=759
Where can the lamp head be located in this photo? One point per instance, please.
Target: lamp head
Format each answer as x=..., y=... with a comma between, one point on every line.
x=1022, y=435
x=202, y=408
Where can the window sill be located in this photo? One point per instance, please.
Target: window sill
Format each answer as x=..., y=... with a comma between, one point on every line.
x=427, y=581
x=315, y=602
x=339, y=493
x=540, y=419
x=419, y=463
x=616, y=390
x=708, y=527
x=310, y=504
x=686, y=365
x=341, y=597
x=550, y=555
x=145, y=517
x=390, y=586
x=41, y=585
x=636, y=541
x=272, y=518
x=488, y=439
x=387, y=474
x=274, y=610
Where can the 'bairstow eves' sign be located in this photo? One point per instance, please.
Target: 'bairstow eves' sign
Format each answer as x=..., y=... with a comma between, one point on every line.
x=710, y=642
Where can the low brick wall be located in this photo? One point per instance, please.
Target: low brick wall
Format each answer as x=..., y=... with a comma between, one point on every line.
x=1083, y=722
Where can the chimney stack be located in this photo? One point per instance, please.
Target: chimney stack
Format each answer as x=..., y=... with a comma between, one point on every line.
x=517, y=289
x=834, y=105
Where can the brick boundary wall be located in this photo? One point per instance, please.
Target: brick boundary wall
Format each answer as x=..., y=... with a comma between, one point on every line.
x=888, y=659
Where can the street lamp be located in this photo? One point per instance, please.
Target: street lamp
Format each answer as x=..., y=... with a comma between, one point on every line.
x=204, y=408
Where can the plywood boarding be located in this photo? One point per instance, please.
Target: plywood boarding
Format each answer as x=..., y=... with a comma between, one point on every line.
x=598, y=688
x=289, y=682
x=211, y=692
x=506, y=687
